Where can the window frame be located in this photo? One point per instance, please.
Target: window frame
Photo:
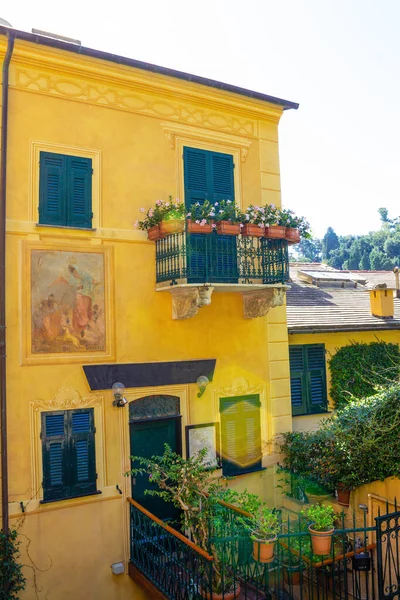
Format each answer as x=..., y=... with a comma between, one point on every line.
x=305, y=376
x=71, y=488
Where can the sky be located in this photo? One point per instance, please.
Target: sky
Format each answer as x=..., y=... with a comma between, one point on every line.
x=340, y=151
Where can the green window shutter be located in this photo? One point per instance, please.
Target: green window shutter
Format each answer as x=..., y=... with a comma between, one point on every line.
x=52, y=189
x=196, y=176
x=316, y=378
x=79, y=191
x=82, y=452
x=54, y=446
x=308, y=379
x=222, y=181
x=241, y=435
x=297, y=380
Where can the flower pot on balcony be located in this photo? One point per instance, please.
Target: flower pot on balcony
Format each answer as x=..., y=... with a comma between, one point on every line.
x=343, y=495
x=251, y=230
x=263, y=550
x=171, y=226
x=321, y=541
x=193, y=227
x=228, y=228
x=276, y=232
x=154, y=233
x=292, y=574
x=292, y=235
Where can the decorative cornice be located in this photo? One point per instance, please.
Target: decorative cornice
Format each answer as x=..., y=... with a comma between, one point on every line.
x=173, y=132
x=239, y=387
x=67, y=398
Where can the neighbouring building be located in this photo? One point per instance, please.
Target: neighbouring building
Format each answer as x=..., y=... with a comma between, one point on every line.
x=90, y=302
x=326, y=310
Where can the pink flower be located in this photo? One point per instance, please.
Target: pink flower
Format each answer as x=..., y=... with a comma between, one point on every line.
x=189, y=215
x=203, y=222
x=214, y=225
x=241, y=225
x=197, y=221
x=158, y=202
x=167, y=204
x=177, y=201
x=150, y=212
x=136, y=224
x=141, y=210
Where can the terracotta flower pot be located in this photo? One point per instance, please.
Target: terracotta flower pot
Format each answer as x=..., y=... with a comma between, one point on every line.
x=171, y=226
x=321, y=541
x=193, y=227
x=154, y=233
x=263, y=551
x=227, y=596
x=228, y=228
x=343, y=495
x=292, y=574
x=292, y=235
x=251, y=230
x=275, y=232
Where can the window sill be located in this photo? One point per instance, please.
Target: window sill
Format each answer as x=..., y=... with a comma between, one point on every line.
x=258, y=470
x=70, y=497
x=322, y=412
x=66, y=227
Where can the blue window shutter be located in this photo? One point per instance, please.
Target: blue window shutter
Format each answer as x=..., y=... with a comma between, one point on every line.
x=297, y=380
x=240, y=434
x=308, y=379
x=79, y=191
x=83, y=460
x=52, y=189
x=54, y=444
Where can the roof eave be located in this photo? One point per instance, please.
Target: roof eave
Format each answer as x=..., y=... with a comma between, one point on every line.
x=137, y=64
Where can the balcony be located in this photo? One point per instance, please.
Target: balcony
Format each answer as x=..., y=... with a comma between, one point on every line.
x=193, y=266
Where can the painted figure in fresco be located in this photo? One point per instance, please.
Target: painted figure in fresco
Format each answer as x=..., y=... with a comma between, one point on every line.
x=85, y=289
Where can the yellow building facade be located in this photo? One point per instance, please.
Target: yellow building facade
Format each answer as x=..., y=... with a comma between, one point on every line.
x=80, y=299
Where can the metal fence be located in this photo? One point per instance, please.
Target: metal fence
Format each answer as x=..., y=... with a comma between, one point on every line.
x=363, y=563
x=212, y=258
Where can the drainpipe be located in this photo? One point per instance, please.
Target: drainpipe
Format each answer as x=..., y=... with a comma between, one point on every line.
x=3, y=178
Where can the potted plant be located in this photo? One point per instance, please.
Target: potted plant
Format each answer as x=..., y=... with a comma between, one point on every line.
x=321, y=528
x=275, y=227
x=264, y=526
x=191, y=486
x=296, y=227
x=316, y=492
x=163, y=219
x=252, y=221
x=292, y=567
x=225, y=216
x=200, y=217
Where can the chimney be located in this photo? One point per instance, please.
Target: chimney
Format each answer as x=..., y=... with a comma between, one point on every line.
x=381, y=301
x=396, y=271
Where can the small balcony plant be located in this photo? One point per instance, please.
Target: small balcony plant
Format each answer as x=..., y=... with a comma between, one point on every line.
x=200, y=217
x=225, y=215
x=321, y=527
x=163, y=219
x=275, y=227
x=263, y=526
x=296, y=227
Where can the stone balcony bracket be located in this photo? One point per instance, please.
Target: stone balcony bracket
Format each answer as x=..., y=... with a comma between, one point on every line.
x=188, y=298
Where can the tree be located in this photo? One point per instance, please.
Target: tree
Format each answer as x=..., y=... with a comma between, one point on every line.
x=380, y=261
x=330, y=242
x=309, y=250
x=365, y=263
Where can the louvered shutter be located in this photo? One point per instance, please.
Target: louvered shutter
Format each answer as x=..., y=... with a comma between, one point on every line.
x=196, y=175
x=297, y=380
x=52, y=189
x=240, y=432
x=83, y=470
x=317, y=396
x=79, y=191
x=54, y=444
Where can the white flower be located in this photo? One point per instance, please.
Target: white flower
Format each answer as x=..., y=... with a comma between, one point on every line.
x=141, y=209
x=197, y=221
x=229, y=201
x=197, y=203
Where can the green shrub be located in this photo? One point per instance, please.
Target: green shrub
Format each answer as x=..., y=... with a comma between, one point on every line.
x=358, y=370
x=11, y=579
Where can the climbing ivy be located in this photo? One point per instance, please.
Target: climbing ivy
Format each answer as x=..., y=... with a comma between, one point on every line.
x=12, y=580
x=360, y=369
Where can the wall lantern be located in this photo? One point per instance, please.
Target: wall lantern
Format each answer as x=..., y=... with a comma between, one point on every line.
x=118, y=390
x=202, y=382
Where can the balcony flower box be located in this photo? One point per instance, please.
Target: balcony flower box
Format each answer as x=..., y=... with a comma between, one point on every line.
x=251, y=230
x=292, y=235
x=171, y=226
x=154, y=233
x=193, y=227
x=228, y=228
x=276, y=232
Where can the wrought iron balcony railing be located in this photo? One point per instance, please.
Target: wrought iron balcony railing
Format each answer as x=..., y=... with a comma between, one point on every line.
x=212, y=258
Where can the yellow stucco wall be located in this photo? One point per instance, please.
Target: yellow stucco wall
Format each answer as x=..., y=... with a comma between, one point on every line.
x=134, y=125
x=334, y=341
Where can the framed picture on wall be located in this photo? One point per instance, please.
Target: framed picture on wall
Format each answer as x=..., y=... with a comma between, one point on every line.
x=203, y=436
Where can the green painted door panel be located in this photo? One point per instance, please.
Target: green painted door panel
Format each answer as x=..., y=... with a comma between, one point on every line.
x=147, y=440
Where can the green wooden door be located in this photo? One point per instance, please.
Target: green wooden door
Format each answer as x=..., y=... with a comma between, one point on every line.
x=147, y=440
